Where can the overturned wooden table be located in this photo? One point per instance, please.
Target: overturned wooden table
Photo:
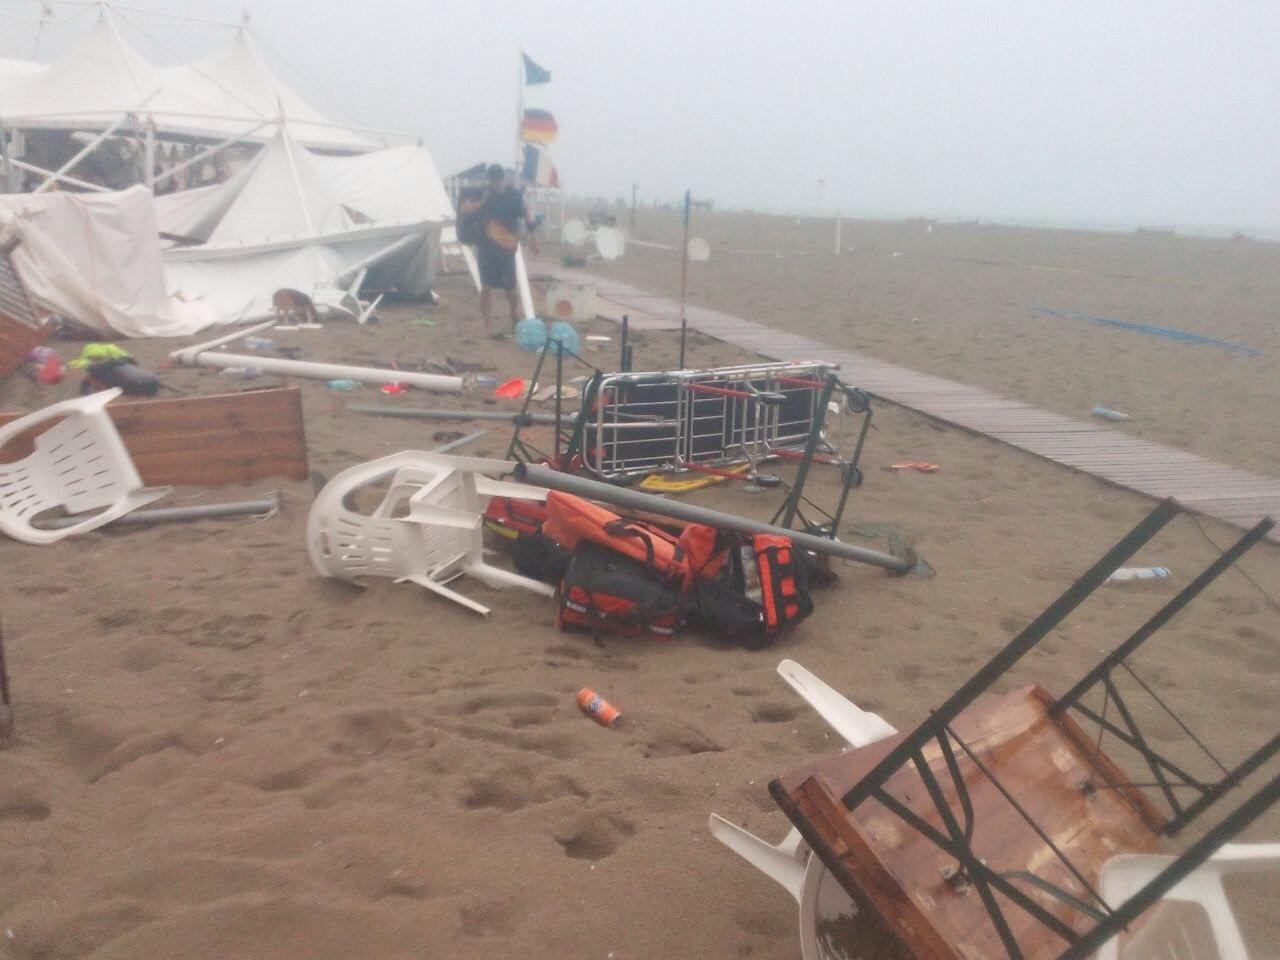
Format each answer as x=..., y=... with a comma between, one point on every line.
x=921, y=892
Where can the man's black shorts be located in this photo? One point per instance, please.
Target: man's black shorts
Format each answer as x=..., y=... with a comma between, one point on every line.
x=497, y=266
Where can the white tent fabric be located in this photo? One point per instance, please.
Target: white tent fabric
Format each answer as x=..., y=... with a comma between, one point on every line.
x=242, y=85
x=289, y=192
x=281, y=194
x=93, y=257
x=99, y=78
x=395, y=185
x=294, y=219
x=14, y=73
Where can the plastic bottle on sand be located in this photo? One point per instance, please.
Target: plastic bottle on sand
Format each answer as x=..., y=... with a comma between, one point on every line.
x=259, y=343
x=242, y=373
x=1138, y=573
x=1115, y=416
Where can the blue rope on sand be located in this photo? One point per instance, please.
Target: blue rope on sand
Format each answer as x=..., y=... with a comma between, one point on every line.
x=1158, y=331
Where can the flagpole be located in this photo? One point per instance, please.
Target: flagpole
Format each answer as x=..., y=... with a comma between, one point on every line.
x=684, y=278
x=519, y=117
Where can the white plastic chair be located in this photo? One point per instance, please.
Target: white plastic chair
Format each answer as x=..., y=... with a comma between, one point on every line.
x=791, y=863
x=80, y=464
x=427, y=528
x=1194, y=920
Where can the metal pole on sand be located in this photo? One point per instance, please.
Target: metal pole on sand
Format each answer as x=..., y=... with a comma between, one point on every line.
x=684, y=279
x=624, y=357
x=6, y=711
x=634, y=500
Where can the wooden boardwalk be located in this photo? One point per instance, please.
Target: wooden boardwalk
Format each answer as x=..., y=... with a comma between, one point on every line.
x=1225, y=493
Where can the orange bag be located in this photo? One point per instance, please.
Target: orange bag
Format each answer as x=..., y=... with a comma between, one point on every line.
x=571, y=520
x=706, y=550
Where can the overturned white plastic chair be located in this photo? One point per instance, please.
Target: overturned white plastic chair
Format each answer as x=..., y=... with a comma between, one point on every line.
x=1194, y=920
x=791, y=863
x=79, y=464
x=427, y=529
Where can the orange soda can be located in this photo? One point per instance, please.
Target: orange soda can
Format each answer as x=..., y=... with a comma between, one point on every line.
x=597, y=708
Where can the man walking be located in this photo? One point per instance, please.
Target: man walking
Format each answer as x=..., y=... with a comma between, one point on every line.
x=501, y=212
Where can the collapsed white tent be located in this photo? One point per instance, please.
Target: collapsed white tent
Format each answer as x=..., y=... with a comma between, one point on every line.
x=99, y=79
x=317, y=224
x=323, y=225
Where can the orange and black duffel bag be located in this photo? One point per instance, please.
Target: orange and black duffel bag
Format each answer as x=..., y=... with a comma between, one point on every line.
x=760, y=592
x=519, y=522
x=572, y=520
x=605, y=591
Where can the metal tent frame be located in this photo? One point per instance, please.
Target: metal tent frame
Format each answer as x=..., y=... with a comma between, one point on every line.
x=147, y=123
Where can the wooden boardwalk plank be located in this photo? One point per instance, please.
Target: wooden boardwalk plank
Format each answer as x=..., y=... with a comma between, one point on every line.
x=1223, y=492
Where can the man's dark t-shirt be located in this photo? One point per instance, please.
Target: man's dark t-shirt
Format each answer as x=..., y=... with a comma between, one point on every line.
x=497, y=263
x=506, y=206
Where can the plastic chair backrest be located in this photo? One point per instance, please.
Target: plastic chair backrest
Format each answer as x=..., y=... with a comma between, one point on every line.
x=1194, y=920
x=426, y=528
x=78, y=464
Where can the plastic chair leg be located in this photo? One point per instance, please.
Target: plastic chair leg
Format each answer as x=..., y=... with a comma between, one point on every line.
x=858, y=727
x=442, y=590
x=784, y=863
x=498, y=578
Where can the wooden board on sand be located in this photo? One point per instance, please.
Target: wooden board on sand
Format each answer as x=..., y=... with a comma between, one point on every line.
x=229, y=438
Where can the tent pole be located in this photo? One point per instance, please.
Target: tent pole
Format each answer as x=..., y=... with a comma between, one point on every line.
x=217, y=148
x=297, y=179
x=345, y=278
x=109, y=15
x=10, y=183
x=519, y=116
x=350, y=128
x=149, y=157
x=32, y=168
x=89, y=148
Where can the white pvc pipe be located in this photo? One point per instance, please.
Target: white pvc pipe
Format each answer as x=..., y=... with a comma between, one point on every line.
x=473, y=268
x=200, y=356
x=185, y=356
x=522, y=282
x=32, y=168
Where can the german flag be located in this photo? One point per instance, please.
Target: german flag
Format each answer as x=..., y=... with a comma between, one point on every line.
x=539, y=126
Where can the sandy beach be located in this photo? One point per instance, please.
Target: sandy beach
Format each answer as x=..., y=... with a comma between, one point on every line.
x=218, y=753
x=966, y=301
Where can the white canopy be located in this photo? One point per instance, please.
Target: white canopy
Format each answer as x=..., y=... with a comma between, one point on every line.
x=99, y=78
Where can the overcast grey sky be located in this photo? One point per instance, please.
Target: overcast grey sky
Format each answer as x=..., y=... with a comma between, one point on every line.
x=1157, y=113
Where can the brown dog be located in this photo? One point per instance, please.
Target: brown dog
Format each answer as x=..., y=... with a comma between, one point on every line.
x=293, y=305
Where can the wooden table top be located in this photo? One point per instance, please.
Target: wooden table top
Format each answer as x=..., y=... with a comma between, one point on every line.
x=1045, y=762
